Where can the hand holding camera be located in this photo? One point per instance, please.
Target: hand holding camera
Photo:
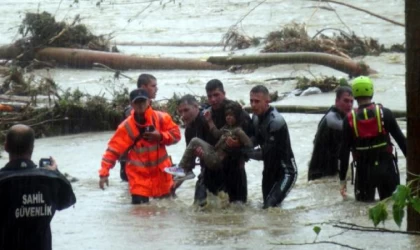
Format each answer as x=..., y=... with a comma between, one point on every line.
x=151, y=134
x=48, y=163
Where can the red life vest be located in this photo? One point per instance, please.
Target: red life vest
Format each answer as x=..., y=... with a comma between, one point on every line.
x=368, y=129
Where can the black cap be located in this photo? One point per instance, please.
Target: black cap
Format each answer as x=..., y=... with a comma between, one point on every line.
x=138, y=94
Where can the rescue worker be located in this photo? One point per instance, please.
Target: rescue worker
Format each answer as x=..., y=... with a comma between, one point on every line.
x=196, y=126
x=366, y=132
x=29, y=196
x=145, y=133
x=272, y=135
x=329, y=136
x=232, y=177
x=149, y=83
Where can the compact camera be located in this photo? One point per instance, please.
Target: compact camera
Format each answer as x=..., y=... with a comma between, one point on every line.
x=43, y=162
x=147, y=129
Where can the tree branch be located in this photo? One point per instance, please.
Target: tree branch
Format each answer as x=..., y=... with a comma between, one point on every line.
x=360, y=9
x=318, y=242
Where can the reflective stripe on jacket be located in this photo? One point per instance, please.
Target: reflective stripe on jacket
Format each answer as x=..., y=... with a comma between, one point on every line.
x=146, y=160
x=368, y=128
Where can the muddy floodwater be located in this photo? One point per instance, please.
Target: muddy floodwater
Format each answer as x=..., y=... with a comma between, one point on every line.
x=106, y=220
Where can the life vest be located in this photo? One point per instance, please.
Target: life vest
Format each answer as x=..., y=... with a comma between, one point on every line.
x=146, y=160
x=368, y=129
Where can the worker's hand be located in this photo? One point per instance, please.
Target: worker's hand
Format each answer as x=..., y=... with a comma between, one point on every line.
x=199, y=152
x=102, y=181
x=53, y=165
x=154, y=136
x=343, y=189
x=232, y=143
x=207, y=115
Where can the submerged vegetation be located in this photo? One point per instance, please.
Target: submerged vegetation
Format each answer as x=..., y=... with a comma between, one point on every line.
x=295, y=38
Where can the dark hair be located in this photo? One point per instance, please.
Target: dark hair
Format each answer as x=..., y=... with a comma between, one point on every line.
x=144, y=79
x=20, y=141
x=236, y=109
x=341, y=90
x=188, y=99
x=260, y=89
x=214, y=84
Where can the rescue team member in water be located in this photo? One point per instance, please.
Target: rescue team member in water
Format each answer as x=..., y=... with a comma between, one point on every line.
x=146, y=133
x=213, y=156
x=149, y=83
x=272, y=135
x=366, y=131
x=329, y=136
x=231, y=178
x=29, y=195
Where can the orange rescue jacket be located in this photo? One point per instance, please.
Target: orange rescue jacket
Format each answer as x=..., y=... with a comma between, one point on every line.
x=146, y=160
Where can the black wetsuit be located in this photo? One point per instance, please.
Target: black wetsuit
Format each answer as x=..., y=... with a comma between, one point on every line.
x=375, y=168
x=232, y=177
x=280, y=171
x=327, y=143
x=29, y=198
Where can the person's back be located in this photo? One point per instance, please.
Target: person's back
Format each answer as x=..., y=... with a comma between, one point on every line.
x=29, y=198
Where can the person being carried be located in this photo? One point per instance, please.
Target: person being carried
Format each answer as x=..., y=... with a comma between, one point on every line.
x=212, y=156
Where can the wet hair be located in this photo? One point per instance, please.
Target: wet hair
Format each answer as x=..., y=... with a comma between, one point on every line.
x=20, y=141
x=260, y=89
x=189, y=100
x=235, y=109
x=214, y=84
x=341, y=90
x=144, y=79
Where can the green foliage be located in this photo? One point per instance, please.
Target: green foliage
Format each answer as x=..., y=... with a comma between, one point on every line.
x=402, y=197
x=317, y=230
x=378, y=213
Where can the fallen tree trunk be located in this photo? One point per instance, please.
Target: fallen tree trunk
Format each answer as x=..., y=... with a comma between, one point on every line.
x=336, y=62
x=11, y=108
x=315, y=110
x=9, y=52
x=86, y=58
x=172, y=44
x=28, y=99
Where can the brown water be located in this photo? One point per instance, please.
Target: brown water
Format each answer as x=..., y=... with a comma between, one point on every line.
x=106, y=219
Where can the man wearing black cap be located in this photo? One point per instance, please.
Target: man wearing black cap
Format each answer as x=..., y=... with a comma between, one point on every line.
x=149, y=83
x=144, y=135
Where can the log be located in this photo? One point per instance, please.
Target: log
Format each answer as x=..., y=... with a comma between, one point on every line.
x=315, y=110
x=171, y=44
x=87, y=58
x=339, y=63
x=11, y=108
x=38, y=99
x=9, y=52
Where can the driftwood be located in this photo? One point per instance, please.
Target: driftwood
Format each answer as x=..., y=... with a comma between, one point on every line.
x=79, y=58
x=11, y=107
x=316, y=110
x=339, y=63
x=86, y=58
x=27, y=99
x=172, y=44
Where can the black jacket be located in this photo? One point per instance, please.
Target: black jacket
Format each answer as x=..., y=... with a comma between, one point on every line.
x=29, y=198
x=327, y=143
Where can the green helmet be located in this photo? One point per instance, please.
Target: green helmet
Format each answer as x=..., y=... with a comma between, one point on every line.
x=362, y=87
